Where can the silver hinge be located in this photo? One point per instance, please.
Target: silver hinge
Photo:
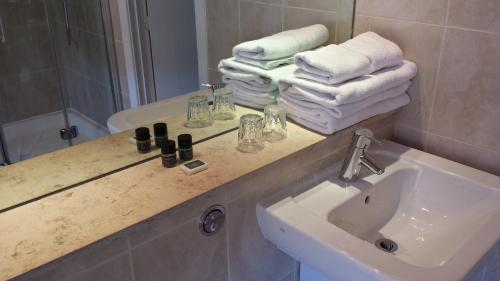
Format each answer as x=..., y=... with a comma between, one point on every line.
x=69, y=133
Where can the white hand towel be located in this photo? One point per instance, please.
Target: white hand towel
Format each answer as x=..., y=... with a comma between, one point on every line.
x=331, y=65
x=381, y=52
x=283, y=44
x=322, y=122
x=351, y=91
x=251, y=77
x=266, y=64
x=346, y=110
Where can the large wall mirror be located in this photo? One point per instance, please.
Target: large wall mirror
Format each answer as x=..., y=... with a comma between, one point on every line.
x=78, y=77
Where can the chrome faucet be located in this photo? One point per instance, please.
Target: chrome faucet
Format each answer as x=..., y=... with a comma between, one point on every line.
x=357, y=157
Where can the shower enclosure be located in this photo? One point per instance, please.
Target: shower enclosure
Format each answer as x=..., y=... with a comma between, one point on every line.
x=58, y=75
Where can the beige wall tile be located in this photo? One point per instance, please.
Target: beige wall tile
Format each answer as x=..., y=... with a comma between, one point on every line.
x=467, y=99
x=116, y=269
x=412, y=137
x=214, y=76
x=473, y=156
x=182, y=255
x=361, y=24
x=296, y=18
x=330, y=5
x=428, y=11
x=251, y=256
x=259, y=20
x=421, y=44
x=222, y=29
x=80, y=261
x=476, y=14
x=168, y=222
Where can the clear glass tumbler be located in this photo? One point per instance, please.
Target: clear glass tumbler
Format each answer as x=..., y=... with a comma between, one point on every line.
x=274, y=123
x=223, y=105
x=198, y=115
x=250, y=133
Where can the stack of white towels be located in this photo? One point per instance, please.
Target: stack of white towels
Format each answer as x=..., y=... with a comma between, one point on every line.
x=340, y=85
x=256, y=66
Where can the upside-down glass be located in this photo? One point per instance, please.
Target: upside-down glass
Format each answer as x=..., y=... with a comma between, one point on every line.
x=198, y=115
x=274, y=123
x=250, y=133
x=223, y=105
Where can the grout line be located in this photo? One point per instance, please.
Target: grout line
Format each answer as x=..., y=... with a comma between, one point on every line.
x=429, y=24
x=239, y=21
x=428, y=134
x=94, y=267
x=138, y=245
x=130, y=258
x=436, y=81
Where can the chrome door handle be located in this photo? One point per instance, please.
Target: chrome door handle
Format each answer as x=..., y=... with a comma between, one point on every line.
x=2, y=31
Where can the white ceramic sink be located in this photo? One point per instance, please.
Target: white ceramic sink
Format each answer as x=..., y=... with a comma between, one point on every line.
x=443, y=216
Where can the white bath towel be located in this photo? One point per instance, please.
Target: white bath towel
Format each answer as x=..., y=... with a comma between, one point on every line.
x=380, y=51
x=350, y=91
x=251, y=77
x=283, y=44
x=346, y=110
x=323, y=122
x=266, y=64
x=253, y=100
x=331, y=65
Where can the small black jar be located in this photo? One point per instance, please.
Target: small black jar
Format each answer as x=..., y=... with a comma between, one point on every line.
x=185, y=142
x=161, y=133
x=168, y=154
x=143, y=139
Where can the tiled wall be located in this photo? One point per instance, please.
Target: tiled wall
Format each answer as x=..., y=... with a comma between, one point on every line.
x=170, y=246
x=455, y=109
x=83, y=63
x=232, y=21
x=28, y=76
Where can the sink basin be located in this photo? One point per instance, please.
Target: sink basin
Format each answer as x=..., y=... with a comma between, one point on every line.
x=425, y=218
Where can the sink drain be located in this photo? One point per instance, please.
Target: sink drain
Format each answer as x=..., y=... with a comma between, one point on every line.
x=386, y=245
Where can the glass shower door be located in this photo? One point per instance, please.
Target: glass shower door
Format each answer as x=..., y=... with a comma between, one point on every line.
x=31, y=108
x=57, y=77
x=80, y=35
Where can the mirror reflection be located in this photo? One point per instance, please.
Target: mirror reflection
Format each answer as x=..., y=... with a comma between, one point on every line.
x=77, y=78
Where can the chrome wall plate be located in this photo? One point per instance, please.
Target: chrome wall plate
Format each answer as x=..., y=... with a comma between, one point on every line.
x=212, y=220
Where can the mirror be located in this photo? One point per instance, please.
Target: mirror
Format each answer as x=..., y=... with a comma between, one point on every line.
x=78, y=77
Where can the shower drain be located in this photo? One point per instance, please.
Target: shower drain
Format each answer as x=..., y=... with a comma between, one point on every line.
x=386, y=245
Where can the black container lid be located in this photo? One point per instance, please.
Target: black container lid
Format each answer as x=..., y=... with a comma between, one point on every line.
x=185, y=140
x=168, y=147
x=142, y=134
x=160, y=129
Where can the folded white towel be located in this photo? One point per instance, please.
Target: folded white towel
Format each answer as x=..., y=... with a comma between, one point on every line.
x=345, y=110
x=323, y=122
x=258, y=101
x=381, y=52
x=351, y=91
x=283, y=44
x=331, y=65
x=266, y=64
x=251, y=77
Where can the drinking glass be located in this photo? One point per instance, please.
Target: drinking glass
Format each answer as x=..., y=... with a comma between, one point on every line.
x=250, y=133
x=198, y=115
x=274, y=123
x=223, y=105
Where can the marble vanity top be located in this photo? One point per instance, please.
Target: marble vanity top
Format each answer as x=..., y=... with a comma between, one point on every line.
x=44, y=230
x=68, y=167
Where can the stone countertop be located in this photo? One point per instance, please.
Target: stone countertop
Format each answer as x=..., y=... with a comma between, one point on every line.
x=51, y=172
x=42, y=231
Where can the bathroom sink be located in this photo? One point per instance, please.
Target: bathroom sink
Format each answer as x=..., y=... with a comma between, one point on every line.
x=425, y=218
